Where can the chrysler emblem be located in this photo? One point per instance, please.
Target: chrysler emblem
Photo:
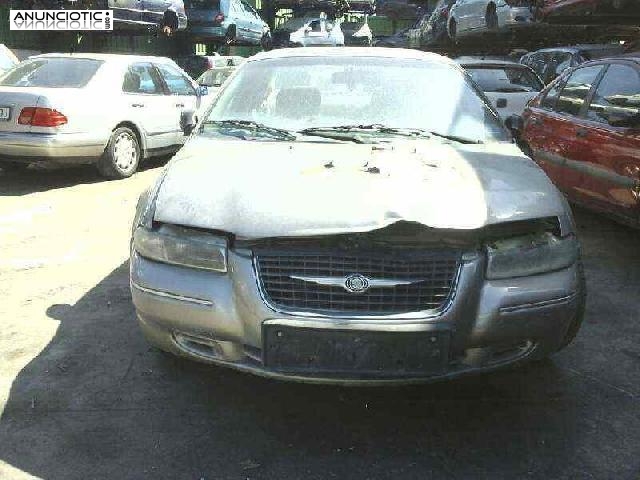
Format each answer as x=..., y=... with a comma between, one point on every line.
x=356, y=283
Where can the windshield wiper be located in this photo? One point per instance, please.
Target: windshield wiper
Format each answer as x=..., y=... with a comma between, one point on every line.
x=511, y=90
x=350, y=132
x=457, y=138
x=347, y=131
x=255, y=127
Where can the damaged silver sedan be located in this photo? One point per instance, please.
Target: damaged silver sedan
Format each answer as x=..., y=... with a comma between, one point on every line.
x=355, y=216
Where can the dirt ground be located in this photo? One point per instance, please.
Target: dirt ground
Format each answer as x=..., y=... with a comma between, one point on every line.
x=82, y=396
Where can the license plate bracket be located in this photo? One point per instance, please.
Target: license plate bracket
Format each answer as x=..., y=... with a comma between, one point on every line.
x=5, y=113
x=354, y=352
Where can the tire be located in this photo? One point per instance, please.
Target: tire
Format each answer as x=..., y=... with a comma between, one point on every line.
x=122, y=155
x=453, y=31
x=491, y=17
x=576, y=323
x=170, y=20
x=266, y=42
x=230, y=36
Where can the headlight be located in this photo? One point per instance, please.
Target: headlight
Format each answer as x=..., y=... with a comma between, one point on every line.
x=531, y=254
x=182, y=246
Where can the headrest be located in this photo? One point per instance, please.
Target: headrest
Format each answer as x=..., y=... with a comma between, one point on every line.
x=294, y=102
x=131, y=82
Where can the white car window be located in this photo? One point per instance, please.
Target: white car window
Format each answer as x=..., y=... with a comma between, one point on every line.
x=505, y=79
x=52, y=72
x=139, y=79
x=176, y=82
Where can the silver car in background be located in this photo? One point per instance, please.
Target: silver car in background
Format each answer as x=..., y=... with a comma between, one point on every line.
x=396, y=235
x=508, y=85
x=481, y=16
x=111, y=110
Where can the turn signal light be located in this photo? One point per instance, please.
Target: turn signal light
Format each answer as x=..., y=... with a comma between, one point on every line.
x=41, y=117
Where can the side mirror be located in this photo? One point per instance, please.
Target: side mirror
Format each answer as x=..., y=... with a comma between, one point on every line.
x=514, y=124
x=188, y=122
x=307, y=30
x=203, y=90
x=501, y=103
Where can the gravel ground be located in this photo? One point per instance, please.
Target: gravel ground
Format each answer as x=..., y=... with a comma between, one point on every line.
x=83, y=396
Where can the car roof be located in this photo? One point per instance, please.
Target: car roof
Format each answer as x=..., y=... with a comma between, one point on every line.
x=361, y=52
x=470, y=62
x=633, y=57
x=105, y=57
x=580, y=48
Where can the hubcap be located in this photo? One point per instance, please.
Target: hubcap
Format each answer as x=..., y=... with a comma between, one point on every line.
x=125, y=151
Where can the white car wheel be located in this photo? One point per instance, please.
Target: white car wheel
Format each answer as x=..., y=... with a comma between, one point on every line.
x=122, y=155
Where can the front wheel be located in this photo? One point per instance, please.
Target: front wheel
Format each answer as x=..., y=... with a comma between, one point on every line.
x=122, y=155
x=453, y=30
x=266, y=42
x=491, y=18
x=230, y=36
x=576, y=322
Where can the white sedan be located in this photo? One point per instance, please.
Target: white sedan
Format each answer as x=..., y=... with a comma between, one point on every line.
x=109, y=110
x=469, y=16
x=508, y=85
x=309, y=32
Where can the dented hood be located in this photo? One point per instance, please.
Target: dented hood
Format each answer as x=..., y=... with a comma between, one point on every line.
x=274, y=189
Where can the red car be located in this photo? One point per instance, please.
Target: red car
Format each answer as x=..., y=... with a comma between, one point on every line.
x=584, y=131
x=562, y=9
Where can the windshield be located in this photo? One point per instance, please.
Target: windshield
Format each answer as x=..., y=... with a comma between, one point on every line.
x=52, y=73
x=215, y=77
x=505, y=79
x=310, y=92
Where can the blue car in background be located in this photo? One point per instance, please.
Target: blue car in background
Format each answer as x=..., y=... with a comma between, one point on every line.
x=227, y=22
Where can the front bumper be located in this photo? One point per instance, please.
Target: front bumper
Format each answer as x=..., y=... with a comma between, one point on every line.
x=220, y=318
x=68, y=147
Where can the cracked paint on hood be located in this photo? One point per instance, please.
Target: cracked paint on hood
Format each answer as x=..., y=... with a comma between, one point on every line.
x=279, y=189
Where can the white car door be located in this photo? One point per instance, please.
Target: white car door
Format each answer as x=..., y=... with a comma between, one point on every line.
x=183, y=95
x=462, y=15
x=478, y=13
x=146, y=105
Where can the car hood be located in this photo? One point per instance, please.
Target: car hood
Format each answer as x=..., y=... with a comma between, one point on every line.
x=275, y=189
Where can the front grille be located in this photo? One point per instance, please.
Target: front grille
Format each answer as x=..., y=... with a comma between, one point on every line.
x=434, y=273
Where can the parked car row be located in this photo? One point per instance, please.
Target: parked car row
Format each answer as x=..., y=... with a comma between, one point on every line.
x=210, y=21
x=373, y=290
x=453, y=19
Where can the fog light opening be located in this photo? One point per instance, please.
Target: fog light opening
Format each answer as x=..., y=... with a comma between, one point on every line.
x=202, y=346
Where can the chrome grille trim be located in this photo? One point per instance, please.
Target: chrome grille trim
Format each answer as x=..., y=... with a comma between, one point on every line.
x=444, y=293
